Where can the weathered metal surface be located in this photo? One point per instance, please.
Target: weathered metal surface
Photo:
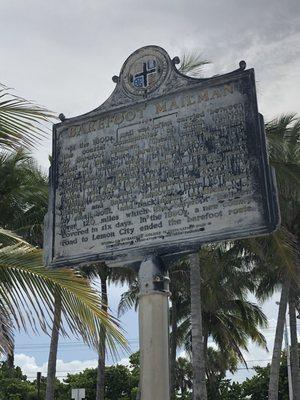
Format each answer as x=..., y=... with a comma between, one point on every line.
x=153, y=276
x=166, y=164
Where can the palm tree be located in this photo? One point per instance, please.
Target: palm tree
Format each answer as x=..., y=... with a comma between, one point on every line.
x=23, y=203
x=106, y=275
x=228, y=317
x=284, y=146
x=179, y=288
x=100, y=271
x=27, y=290
x=275, y=257
x=24, y=195
x=272, y=258
x=294, y=347
x=180, y=306
x=217, y=364
x=183, y=377
x=192, y=65
x=198, y=352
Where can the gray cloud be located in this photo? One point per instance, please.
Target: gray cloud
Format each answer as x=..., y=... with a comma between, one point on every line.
x=63, y=53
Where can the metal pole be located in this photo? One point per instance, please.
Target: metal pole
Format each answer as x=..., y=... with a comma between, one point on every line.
x=288, y=360
x=154, y=330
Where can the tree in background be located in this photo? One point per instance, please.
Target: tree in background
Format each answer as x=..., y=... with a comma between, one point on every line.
x=106, y=275
x=279, y=254
x=14, y=385
x=183, y=378
x=180, y=306
x=23, y=196
x=118, y=383
x=122, y=381
x=284, y=146
x=257, y=386
x=191, y=64
x=218, y=363
x=228, y=317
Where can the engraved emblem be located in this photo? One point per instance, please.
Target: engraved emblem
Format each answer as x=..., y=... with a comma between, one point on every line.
x=145, y=71
x=145, y=78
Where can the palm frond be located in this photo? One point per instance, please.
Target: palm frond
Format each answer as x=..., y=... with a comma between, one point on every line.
x=129, y=299
x=21, y=121
x=6, y=330
x=27, y=289
x=192, y=64
x=8, y=238
x=279, y=127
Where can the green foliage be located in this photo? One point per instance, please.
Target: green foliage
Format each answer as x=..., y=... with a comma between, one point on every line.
x=257, y=386
x=23, y=203
x=14, y=385
x=183, y=378
x=23, y=196
x=22, y=275
x=228, y=317
x=217, y=364
x=134, y=366
x=120, y=382
x=86, y=379
x=228, y=391
x=117, y=383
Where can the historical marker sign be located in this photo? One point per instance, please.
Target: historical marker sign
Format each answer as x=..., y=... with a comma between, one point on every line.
x=167, y=163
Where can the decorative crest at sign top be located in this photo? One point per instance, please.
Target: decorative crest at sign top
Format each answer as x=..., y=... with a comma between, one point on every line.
x=145, y=70
x=148, y=73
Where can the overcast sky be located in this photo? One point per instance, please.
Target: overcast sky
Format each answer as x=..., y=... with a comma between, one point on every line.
x=62, y=54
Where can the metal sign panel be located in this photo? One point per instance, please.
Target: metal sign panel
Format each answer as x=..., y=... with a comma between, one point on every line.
x=166, y=164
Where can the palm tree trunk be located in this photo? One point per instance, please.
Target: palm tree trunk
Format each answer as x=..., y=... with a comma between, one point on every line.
x=275, y=365
x=51, y=371
x=102, y=342
x=10, y=361
x=199, y=384
x=205, y=345
x=294, y=351
x=173, y=348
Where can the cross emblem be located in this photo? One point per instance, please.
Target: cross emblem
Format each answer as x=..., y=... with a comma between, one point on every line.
x=141, y=79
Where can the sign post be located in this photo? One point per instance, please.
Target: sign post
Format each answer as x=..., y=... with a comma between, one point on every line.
x=154, y=329
x=166, y=164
